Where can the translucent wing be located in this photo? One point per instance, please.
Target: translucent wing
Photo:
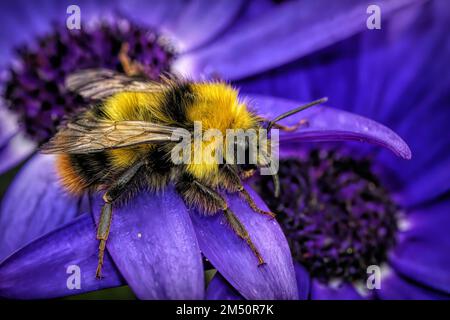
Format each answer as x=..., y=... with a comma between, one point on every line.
x=88, y=136
x=102, y=83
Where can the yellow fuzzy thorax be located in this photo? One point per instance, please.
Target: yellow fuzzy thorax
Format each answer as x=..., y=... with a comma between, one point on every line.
x=217, y=107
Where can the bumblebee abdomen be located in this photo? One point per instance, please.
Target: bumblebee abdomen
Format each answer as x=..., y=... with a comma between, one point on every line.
x=79, y=172
x=71, y=180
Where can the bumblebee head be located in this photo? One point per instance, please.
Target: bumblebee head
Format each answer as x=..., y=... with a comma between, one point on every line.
x=266, y=158
x=232, y=134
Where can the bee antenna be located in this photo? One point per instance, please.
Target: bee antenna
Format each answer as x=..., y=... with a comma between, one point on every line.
x=294, y=111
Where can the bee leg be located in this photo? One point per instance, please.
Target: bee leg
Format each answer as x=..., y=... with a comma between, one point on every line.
x=102, y=235
x=233, y=183
x=131, y=68
x=195, y=193
x=248, y=198
x=104, y=226
x=302, y=122
x=242, y=233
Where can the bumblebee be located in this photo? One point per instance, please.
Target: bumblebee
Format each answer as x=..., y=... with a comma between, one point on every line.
x=122, y=144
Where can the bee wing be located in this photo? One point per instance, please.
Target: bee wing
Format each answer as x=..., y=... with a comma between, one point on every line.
x=99, y=84
x=88, y=136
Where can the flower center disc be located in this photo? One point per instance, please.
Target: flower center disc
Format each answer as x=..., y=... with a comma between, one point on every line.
x=35, y=88
x=337, y=217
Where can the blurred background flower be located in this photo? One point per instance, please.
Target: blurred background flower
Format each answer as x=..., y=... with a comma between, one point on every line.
x=347, y=208
x=294, y=49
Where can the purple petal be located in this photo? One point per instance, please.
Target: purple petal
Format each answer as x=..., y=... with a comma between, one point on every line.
x=344, y=291
x=429, y=183
x=345, y=70
x=284, y=34
x=231, y=256
x=42, y=269
x=396, y=287
x=220, y=289
x=14, y=151
x=8, y=127
x=34, y=204
x=157, y=13
x=14, y=147
x=303, y=281
x=327, y=124
x=202, y=20
x=422, y=253
x=153, y=244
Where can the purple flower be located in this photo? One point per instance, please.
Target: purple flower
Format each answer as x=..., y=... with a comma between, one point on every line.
x=347, y=208
x=156, y=243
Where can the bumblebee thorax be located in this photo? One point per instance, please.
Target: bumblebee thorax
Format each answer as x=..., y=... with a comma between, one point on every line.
x=217, y=106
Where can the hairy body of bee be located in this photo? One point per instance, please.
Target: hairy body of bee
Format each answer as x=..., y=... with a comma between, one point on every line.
x=216, y=105
x=125, y=170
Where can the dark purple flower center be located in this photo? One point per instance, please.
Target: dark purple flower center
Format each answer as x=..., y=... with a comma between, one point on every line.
x=335, y=213
x=35, y=86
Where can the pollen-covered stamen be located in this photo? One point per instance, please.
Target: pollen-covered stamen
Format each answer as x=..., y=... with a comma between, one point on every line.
x=336, y=215
x=34, y=88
